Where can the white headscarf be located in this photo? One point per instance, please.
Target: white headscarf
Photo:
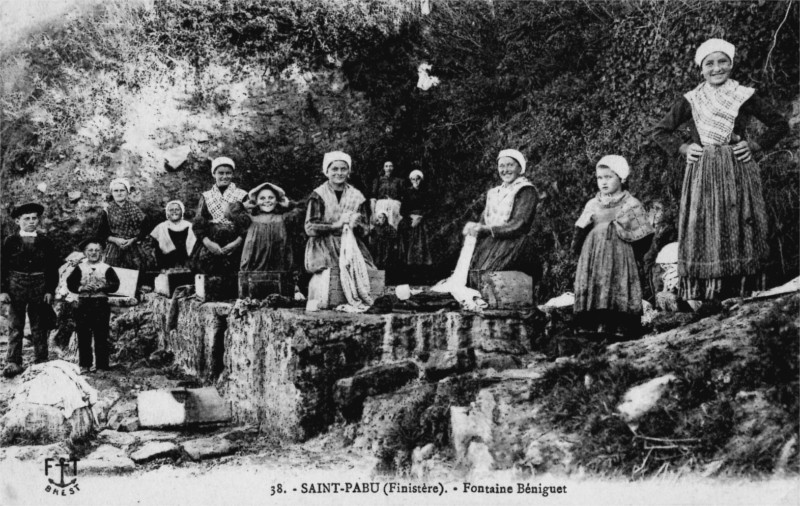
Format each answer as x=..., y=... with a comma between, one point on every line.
x=120, y=180
x=176, y=202
x=335, y=156
x=617, y=164
x=713, y=46
x=416, y=172
x=516, y=155
x=222, y=160
x=161, y=231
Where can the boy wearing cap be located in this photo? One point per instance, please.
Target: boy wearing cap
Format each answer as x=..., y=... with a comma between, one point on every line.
x=29, y=278
x=92, y=280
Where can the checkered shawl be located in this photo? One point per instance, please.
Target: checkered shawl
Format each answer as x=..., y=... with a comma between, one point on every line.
x=500, y=202
x=715, y=109
x=125, y=220
x=630, y=219
x=217, y=201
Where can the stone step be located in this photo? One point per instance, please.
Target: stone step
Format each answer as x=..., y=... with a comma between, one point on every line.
x=154, y=450
x=208, y=448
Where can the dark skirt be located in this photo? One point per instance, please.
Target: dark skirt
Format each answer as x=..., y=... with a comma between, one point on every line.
x=514, y=254
x=606, y=278
x=266, y=247
x=722, y=229
x=139, y=257
x=417, y=246
x=205, y=262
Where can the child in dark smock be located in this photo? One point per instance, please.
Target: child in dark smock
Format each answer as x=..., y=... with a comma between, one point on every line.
x=611, y=230
x=384, y=244
x=268, y=245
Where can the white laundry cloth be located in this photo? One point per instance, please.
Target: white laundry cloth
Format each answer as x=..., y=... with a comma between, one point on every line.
x=456, y=284
x=56, y=383
x=353, y=273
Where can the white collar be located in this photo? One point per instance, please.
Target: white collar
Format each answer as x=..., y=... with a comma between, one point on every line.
x=27, y=234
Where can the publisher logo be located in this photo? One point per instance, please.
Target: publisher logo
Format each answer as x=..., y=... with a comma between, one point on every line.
x=58, y=472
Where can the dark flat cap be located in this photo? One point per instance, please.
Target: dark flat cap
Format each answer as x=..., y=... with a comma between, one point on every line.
x=30, y=207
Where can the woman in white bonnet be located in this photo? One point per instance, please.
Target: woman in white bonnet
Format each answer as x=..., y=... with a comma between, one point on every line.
x=331, y=206
x=220, y=223
x=504, y=240
x=416, y=206
x=722, y=229
x=123, y=226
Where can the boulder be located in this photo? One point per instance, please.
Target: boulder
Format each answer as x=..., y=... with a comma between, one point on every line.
x=129, y=424
x=154, y=450
x=479, y=458
x=156, y=435
x=115, y=438
x=505, y=289
x=208, y=448
x=384, y=416
x=420, y=460
x=52, y=403
x=641, y=399
x=349, y=393
x=106, y=459
x=446, y=363
x=122, y=410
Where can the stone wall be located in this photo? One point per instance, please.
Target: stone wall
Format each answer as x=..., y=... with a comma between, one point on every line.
x=294, y=373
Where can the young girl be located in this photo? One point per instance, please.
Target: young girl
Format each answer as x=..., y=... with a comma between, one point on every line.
x=267, y=246
x=722, y=230
x=384, y=244
x=608, y=295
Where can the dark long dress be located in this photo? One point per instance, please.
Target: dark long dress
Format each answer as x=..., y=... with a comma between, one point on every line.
x=268, y=245
x=416, y=201
x=722, y=228
x=607, y=286
x=384, y=244
x=203, y=260
x=510, y=247
x=126, y=221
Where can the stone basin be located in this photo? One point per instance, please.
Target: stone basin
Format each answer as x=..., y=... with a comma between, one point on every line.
x=279, y=367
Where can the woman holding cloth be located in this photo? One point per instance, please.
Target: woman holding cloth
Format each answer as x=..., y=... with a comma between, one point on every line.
x=335, y=224
x=722, y=228
x=331, y=206
x=504, y=240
